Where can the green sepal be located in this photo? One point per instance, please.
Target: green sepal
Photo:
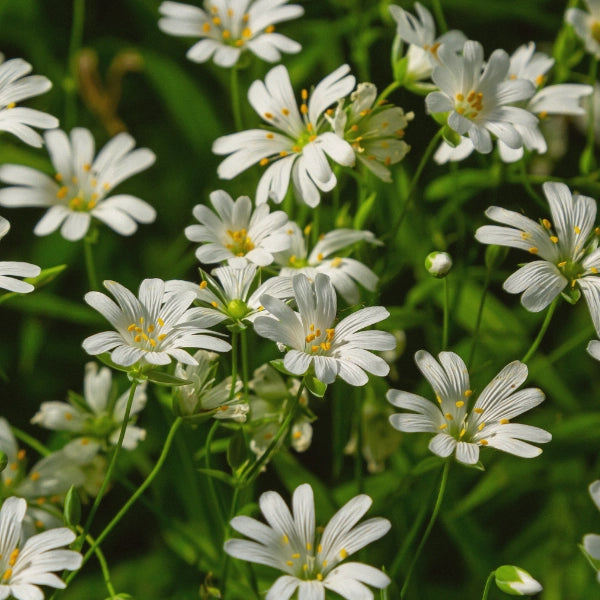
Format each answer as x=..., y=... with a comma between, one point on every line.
x=162, y=378
x=450, y=136
x=277, y=364
x=421, y=88
x=440, y=118
x=216, y=474
x=478, y=466
x=400, y=68
x=571, y=295
x=315, y=386
x=104, y=358
x=238, y=326
x=364, y=210
x=72, y=507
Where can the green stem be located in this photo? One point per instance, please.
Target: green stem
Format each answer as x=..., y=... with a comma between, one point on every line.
x=113, y=460
x=90, y=267
x=245, y=372
x=413, y=183
x=248, y=476
x=212, y=492
x=235, y=99
x=486, y=286
x=439, y=16
x=358, y=462
x=115, y=520
x=75, y=43
x=528, y=187
x=488, y=585
x=227, y=532
x=30, y=441
x=446, y=325
x=234, y=361
x=542, y=331
x=103, y=565
x=434, y=514
x=591, y=130
x=387, y=91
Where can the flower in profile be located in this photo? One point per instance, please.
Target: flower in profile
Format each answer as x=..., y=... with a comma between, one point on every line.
x=25, y=566
x=587, y=25
x=16, y=85
x=568, y=250
x=478, y=98
x=151, y=329
x=227, y=296
x=560, y=99
x=290, y=542
x=591, y=541
x=374, y=132
x=298, y=140
x=227, y=28
x=95, y=415
x=463, y=430
x=419, y=33
x=344, y=272
x=204, y=398
x=9, y=269
x=237, y=233
x=313, y=339
x=81, y=184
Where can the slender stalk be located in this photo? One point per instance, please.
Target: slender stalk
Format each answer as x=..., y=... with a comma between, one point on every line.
x=439, y=16
x=90, y=267
x=591, y=132
x=103, y=566
x=234, y=361
x=251, y=473
x=75, y=43
x=235, y=98
x=446, y=325
x=434, y=514
x=542, y=332
x=488, y=585
x=486, y=286
x=226, y=533
x=528, y=187
x=115, y=520
x=212, y=492
x=113, y=460
x=358, y=461
x=387, y=91
x=245, y=372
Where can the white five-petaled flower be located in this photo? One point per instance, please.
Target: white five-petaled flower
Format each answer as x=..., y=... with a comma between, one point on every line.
x=228, y=297
x=314, y=340
x=298, y=142
x=150, y=330
x=566, y=245
x=237, y=233
x=560, y=99
x=96, y=414
x=229, y=27
x=587, y=25
x=16, y=85
x=423, y=48
x=463, y=430
x=81, y=184
x=311, y=562
x=11, y=269
x=26, y=565
x=343, y=271
x=478, y=98
x=591, y=541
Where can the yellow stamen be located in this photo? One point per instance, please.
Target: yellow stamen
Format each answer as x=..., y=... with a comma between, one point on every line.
x=34, y=476
x=443, y=426
x=270, y=29
x=459, y=404
x=554, y=239
x=343, y=553
x=478, y=410
x=449, y=417
x=206, y=27
x=546, y=224
x=285, y=539
x=13, y=557
x=263, y=162
x=504, y=421
x=468, y=393
x=533, y=250
x=483, y=442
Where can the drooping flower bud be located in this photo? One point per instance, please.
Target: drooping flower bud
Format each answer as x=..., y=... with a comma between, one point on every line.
x=517, y=582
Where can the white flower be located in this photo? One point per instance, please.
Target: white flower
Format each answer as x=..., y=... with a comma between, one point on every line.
x=460, y=430
x=561, y=99
x=290, y=543
x=150, y=330
x=229, y=27
x=228, y=297
x=374, y=132
x=343, y=271
x=81, y=184
x=11, y=269
x=203, y=397
x=478, y=97
x=238, y=234
x=568, y=249
x=587, y=25
x=591, y=541
x=419, y=32
x=25, y=566
x=16, y=85
x=95, y=415
x=302, y=147
x=314, y=340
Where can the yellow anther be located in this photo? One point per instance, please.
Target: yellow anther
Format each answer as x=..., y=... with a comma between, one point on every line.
x=305, y=567
x=151, y=328
x=214, y=304
x=324, y=563
x=471, y=97
x=285, y=112
x=459, y=404
x=336, y=262
x=304, y=109
x=270, y=29
x=533, y=250
x=263, y=162
x=308, y=546
x=246, y=32
x=309, y=338
x=14, y=466
x=13, y=557
x=285, y=539
x=576, y=230
x=226, y=34
x=312, y=326
x=459, y=97
x=296, y=555
x=283, y=153
x=343, y=553
x=320, y=256
x=230, y=12
x=504, y=421
x=483, y=442
x=21, y=454
x=319, y=577
x=34, y=476
x=39, y=524
x=460, y=110
x=296, y=148
x=320, y=548
x=462, y=432
x=315, y=348
x=58, y=177
x=325, y=346
x=216, y=20
x=478, y=410
x=481, y=426
x=561, y=264
x=62, y=192
x=546, y=224
x=468, y=393
x=268, y=115
x=152, y=343
x=309, y=127
x=449, y=417
x=594, y=270
x=289, y=563
x=137, y=339
x=330, y=333
x=69, y=416
x=525, y=235
x=439, y=400
x=75, y=179
x=245, y=18
x=7, y=575
x=11, y=105
x=270, y=136
x=206, y=27
x=312, y=138
x=554, y=239
x=239, y=43
x=161, y=337
x=443, y=426
x=144, y=337
x=203, y=284
x=87, y=167
x=539, y=80
x=138, y=329
x=543, y=114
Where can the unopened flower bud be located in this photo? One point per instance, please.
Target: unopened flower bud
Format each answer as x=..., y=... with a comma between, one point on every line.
x=516, y=581
x=438, y=264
